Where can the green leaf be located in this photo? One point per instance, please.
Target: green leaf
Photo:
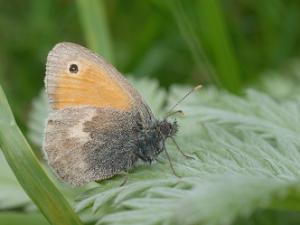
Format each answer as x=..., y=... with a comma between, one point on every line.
x=29, y=172
x=9, y=218
x=12, y=195
x=246, y=152
x=37, y=119
x=246, y=158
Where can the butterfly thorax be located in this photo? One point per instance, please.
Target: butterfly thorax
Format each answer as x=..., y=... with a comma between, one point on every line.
x=151, y=140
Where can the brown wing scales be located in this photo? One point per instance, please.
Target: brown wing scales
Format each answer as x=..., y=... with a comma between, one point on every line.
x=81, y=149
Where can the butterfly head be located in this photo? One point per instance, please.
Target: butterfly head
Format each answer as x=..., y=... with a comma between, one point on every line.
x=167, y=129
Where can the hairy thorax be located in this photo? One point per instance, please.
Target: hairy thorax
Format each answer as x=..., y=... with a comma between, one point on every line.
x=151, y=140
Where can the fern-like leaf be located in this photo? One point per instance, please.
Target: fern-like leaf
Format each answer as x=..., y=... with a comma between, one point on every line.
x=246, y=152
x=246, y=157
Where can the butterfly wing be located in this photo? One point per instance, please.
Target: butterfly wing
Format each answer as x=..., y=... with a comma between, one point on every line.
x=86, y=143
x=93, y=110
x=76, y=76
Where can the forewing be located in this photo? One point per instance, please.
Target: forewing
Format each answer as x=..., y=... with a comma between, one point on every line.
x=95, y=83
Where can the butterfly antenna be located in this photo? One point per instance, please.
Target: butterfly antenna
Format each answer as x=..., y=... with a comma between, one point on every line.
x=182, y=99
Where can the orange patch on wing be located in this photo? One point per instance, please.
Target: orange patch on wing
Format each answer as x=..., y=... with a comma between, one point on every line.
x=90, y=86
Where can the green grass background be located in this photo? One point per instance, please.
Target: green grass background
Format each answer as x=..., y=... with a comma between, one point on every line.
x=225, y=42
x=229, y=44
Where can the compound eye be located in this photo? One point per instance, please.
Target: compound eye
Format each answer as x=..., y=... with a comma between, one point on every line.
x=165, y=128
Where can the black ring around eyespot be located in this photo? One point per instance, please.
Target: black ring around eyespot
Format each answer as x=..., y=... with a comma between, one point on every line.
x=73, y=68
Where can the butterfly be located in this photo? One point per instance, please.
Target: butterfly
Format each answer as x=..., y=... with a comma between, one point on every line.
x=98, y=125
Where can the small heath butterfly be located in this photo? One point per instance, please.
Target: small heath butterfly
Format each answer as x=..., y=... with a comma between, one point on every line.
x=98, y=125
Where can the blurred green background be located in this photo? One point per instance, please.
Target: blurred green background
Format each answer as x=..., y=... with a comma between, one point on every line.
x=229, y=43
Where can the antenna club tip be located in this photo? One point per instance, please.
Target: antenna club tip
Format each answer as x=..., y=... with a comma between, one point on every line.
x=198, y=87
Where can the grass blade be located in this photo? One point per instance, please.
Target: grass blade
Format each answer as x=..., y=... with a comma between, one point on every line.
x=226, y=64
x=193, y=43
x=94, y=24
x=29, y=172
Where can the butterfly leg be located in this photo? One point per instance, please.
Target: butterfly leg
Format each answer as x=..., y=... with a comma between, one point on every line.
x=125, y=174
x=178, y=148
x=171, y=165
